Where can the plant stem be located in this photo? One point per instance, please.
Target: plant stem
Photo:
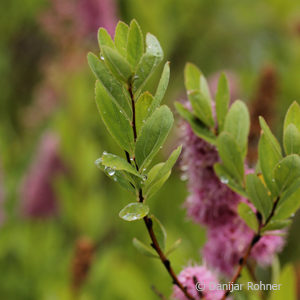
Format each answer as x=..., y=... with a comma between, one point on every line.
x=148, y=221
x=255, y=240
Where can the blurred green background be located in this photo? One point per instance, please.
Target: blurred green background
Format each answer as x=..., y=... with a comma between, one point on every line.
x=60, y=234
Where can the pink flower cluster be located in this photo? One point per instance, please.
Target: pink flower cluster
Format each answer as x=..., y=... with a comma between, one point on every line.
x=38, y=197
x=204, y=277
x=68, y=20
x=213, y=204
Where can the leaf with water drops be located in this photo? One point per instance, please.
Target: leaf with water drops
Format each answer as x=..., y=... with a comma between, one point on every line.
x=231, y=156
x=117, y=176
x=134, y=211
x=116, y=63
x=226, y=178
x=119, y=94
x=147, y=64
x=118, y=163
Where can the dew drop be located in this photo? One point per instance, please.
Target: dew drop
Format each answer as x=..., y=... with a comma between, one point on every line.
x=101, y=57
x=224, y=180
x=110, y=171
x=184, y=177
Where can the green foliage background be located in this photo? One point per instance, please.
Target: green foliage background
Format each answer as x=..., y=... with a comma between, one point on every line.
x=36, y=255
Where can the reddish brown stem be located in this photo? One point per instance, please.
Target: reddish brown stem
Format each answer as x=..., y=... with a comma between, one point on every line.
x=148, y=221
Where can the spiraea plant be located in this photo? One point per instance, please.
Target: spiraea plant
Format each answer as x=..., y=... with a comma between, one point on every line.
x=138, y=123
x=247, y=220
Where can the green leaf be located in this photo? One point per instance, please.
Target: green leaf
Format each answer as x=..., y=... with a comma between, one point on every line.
x=192, y=77
x=117, y=176
x=198, y=127
x=204, y=88
x=202, y=107
x=134, y=211
x=153, y=135
x=147, y=64
x=118, y=163
x=143, y=249
x=117, y=64
x=231, y=156
x=276, y=225
x=104, y=39
x=155, y=186
x=292, y=116
x=222, y=101
x=173, y=247
x=115, y=121
x=291, y=139
x=226, y=178
x=270, y=137
x=269, y=153
x=162, y=86
x=116, y=90
x=287, y=171
x=154, y=178
x=121, y=34
x=142, y=110
x=289, y=202
x=135, y=44
x=247, y=214
x=237, y=123
x=258, y=194
x=288, y=285
x=159, y=231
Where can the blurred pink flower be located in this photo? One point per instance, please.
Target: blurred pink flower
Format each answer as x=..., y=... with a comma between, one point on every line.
x=226, y=245
x=38, y=197
x=213, y=204
x=97, y=13
x=70, y=20
x=204, y=277
x=210, y=201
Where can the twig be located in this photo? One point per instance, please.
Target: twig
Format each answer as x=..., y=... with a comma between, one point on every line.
x=158, y=293
x=254, y=241
x=148, y=221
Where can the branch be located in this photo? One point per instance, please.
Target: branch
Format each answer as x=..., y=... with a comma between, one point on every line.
x=148, y=221
x=255, y=240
